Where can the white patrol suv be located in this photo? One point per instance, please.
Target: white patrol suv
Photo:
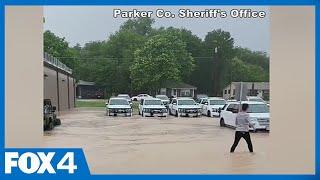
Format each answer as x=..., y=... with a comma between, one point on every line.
x=118, y=106
x=211, y=106
x=152, y=107
x=165, y=100
x=184, y=107
x=258, y=112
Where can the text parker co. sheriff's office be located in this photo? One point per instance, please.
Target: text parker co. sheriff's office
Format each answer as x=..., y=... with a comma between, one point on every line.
x=187, y=13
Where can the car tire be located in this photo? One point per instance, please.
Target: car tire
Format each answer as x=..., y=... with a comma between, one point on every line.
x=209, y=114
x=45, y=127
x=222, y=124
x=135, y=99
x=57, y=122
x=50, y=125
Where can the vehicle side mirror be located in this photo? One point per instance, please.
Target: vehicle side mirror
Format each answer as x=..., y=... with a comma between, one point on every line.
x=54, y=108
x=106, y=103
x=174, y=103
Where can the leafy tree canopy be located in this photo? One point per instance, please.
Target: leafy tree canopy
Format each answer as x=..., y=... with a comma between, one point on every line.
x=163, y=58
x=141, y=57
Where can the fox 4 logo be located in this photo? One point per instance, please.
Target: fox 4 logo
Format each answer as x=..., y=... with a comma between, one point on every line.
x=39, y=162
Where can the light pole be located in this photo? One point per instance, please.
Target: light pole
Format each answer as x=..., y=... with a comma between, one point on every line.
x=231, y=77
x=215, y=70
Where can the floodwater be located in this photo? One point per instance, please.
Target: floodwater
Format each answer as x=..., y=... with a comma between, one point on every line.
x=152, y=145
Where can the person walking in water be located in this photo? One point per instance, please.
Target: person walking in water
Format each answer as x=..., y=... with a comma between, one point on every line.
x=242, y=128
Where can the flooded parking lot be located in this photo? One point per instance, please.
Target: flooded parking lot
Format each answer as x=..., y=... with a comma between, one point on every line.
x=136, y=145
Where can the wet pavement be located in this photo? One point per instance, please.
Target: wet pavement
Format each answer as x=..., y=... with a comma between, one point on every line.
x=136, y=145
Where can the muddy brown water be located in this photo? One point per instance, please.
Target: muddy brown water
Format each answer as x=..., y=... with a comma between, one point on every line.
x=136, y=145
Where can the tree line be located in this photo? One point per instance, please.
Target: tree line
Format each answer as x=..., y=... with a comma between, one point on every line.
x=141, y=58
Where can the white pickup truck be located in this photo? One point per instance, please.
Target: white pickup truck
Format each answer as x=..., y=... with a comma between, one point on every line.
x=258, y=113
x=184, y=107
x=152, y=107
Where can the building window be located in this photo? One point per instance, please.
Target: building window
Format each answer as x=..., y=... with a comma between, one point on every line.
x=234, y=92
x=225, y=91
x=229, y=91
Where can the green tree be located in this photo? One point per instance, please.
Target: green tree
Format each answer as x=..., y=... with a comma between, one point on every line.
x=120, y=47
x=194, y=46
x=144, y=57
x=59, y=48
x=242, y=71
x=253, y=57
x=141, y=26
x=218, y=44
x=193, y=43
x=162, y=58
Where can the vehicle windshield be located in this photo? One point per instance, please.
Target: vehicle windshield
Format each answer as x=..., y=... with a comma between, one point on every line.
x=119, y=102
x=199, y=96
x=217, y=102
x=255, y=99
x=258, y=108
x=186, y=102
x=124, y=96
x=162, y=97
x=152, y=102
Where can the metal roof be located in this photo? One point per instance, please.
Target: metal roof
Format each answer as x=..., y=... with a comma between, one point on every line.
x=179, y=85
x=56, y=63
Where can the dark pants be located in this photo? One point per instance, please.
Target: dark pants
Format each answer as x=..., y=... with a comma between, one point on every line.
x=238, y=136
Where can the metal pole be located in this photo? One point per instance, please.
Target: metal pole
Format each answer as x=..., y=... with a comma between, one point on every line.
x=214, y=71
x=58, y=91
x=68, y=91
x=241, y=88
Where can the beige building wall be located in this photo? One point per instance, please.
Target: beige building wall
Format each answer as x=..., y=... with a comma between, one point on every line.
x=292, y=90
x=228, y=95
x=63, y=92
x=50, y=86
x=71, y=92
x=50, y=89
x=24, y=76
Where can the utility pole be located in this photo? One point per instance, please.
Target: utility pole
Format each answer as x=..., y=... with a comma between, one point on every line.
x=215, y=71
x=241, y=89
x=231, y=77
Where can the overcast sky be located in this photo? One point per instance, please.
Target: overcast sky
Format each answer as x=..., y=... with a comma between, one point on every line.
x=81, y=24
